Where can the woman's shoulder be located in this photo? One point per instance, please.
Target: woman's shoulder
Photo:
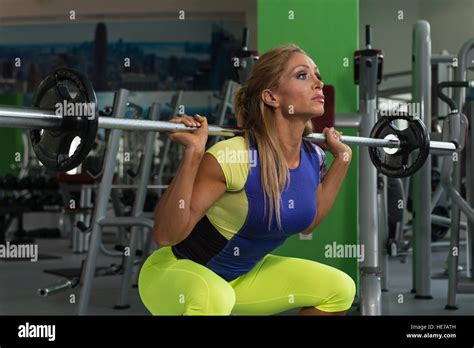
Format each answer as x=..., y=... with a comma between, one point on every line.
x=234, y=158
x=234, y=143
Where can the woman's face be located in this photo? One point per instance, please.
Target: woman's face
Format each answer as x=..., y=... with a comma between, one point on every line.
x=300, y=90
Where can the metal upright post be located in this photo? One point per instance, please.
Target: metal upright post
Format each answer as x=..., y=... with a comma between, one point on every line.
x=165, y=149
x=421, y=81
x=453, y=256
x=101, y=204
x=459, y=96
x=145, y=172
x=225, y=103
x=470, y=188
x=383, y=228
x=370, y=287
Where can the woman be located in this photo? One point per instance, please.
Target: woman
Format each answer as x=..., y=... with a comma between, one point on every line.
x=213, y=222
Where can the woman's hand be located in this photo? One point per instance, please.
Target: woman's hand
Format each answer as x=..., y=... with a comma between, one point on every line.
x=197, y=139
x=334, y=145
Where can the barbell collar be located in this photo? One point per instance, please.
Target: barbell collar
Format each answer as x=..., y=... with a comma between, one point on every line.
x=442, y=147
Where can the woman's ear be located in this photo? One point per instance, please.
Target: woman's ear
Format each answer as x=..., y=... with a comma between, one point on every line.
x=269, y=98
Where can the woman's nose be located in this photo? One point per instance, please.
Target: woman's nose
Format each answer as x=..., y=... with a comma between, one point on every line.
x=318, y=83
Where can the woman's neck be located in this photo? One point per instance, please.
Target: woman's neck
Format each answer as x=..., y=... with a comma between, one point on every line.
x=289, y=133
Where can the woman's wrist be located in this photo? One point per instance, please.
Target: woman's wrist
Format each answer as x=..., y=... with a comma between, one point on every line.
x=194, y=152
x=344, y=156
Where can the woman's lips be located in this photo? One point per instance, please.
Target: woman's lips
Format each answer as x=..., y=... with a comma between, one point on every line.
x=319, y=98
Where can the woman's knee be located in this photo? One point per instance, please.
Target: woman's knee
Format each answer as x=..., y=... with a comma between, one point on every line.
x=221, y=299
x=343, y=290
x=216, y=297
x=347, y=289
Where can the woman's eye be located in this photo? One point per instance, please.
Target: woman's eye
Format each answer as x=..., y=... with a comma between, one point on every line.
x=303, y=74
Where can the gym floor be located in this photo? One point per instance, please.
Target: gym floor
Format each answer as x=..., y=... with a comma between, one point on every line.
x=20, y=297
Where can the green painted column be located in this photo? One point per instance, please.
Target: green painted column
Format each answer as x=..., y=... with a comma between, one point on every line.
x=11, y=144
x=328, y=31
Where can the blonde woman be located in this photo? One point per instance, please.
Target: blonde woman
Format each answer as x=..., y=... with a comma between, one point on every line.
x=224, y=213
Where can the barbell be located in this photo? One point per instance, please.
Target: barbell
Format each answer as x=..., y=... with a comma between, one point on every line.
x=64, y=109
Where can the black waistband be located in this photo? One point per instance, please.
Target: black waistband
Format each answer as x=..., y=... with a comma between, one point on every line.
x=202, y=244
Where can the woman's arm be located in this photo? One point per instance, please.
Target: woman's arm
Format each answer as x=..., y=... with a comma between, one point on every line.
x=194, y=189
x=198, y=183
x=328, y=189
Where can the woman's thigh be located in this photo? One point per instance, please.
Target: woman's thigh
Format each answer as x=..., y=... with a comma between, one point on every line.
x=171, y=286
x=277, y=284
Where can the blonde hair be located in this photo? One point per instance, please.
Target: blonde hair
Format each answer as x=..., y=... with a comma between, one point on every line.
x=260, y=126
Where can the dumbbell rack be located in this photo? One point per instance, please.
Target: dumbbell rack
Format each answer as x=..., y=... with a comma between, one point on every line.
x=15, y=206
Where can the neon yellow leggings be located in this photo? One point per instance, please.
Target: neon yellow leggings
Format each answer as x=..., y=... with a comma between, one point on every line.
x=171, y=286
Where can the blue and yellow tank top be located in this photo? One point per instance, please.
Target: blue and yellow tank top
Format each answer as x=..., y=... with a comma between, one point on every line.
x=233, y=235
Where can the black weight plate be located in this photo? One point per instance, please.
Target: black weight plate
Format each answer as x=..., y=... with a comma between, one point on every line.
x=414, y=138
x=72, y=89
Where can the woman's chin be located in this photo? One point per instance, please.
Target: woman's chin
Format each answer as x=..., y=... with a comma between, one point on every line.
x=318, y=112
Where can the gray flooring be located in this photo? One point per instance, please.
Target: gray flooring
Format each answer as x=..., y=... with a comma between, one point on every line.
x=400, y=283
x=20, y=281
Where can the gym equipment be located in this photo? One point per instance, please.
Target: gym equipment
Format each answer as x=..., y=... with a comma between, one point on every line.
x=72, y=277
x=225, y=105
x=54, y=133
x=165, y=151
x=65, y=87
x=396, y=245
x=24, y=183
x=454, y=127
x=137, y=221
x=9, y=182
x=38, y=183
x=421, y=191
x=128, y=198
x=370, y=284
x=414, y=137
x=441, y=209
x=451, y=174
x=58, y=287
x=421, y=182
x=244, y=59
x=383, y=228
x=367, y=53
x=438, y=232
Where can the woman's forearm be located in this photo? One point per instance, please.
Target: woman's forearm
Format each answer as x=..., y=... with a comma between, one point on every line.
x=331, y=185
x=173, y=210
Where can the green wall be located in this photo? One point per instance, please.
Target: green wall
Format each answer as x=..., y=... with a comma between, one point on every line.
x=328, y=31
x=10, y=140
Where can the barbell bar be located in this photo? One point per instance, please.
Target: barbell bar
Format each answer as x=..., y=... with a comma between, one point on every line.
x=52, y=132
x=33, y=118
